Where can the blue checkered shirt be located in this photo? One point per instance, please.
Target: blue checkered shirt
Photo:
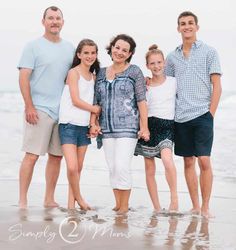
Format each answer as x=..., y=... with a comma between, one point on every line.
x=194, y=87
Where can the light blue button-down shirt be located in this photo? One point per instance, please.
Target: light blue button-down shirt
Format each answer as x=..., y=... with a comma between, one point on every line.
x=194, y=87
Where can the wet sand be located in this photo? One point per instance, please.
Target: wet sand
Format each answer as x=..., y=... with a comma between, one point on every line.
x=57, y=228
x=39, y=228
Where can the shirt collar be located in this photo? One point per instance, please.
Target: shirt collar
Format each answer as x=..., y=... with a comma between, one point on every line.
x=195, y=45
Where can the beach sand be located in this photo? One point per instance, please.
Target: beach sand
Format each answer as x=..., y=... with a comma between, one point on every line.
x=57, y=228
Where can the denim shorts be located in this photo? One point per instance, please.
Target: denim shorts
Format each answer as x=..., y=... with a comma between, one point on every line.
x=195, y=137
x=73, y=134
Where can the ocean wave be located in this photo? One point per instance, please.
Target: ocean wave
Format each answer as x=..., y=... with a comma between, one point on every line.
x=12, y=106
x=11, y=102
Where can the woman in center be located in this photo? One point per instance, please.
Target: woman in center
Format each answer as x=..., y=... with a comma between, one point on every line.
x=120, y=91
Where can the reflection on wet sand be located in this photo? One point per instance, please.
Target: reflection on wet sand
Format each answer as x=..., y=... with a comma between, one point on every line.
x=192, y=237
x=103, y=226
x=172, y=236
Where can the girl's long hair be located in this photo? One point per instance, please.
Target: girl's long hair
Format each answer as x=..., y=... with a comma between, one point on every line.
x=95, y=67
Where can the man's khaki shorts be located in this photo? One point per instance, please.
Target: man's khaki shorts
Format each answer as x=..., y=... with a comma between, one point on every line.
x=43, y=137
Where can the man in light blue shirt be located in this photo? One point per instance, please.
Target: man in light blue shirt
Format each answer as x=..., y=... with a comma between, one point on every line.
x=197, y=70
x=43, y=68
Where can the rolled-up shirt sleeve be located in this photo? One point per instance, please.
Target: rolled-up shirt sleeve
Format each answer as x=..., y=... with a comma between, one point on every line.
x=213, y=62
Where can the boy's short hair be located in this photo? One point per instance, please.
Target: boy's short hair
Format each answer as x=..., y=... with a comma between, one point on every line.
x=188, y=13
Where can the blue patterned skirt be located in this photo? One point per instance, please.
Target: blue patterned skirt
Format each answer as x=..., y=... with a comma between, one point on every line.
x=161, y=136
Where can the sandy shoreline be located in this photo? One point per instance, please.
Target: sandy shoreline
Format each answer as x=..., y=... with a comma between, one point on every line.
x=39, y=228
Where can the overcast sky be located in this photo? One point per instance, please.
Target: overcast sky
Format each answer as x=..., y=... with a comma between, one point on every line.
x=147, y=21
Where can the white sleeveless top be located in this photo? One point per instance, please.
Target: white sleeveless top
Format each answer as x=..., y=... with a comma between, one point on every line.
x=161, y=99
x=71, y=114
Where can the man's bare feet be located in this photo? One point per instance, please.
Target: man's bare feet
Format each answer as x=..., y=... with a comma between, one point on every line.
x=116, y=208
x=173, y=205
x=22, y=205
x=195, y=211
x=157, y=209
x=122, y=211
x=206, y=214
x=50, y=204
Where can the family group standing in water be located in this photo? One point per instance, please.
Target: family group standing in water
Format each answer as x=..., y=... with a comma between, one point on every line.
x=128, y=113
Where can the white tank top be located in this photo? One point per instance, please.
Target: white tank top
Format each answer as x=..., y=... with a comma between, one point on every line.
x=71, y=114
x=161, y=99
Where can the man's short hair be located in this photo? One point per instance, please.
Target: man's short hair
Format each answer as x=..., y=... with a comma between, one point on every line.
x=188, y=13
x=54, y=8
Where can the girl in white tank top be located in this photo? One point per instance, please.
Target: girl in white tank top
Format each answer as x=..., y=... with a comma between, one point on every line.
x=161, y=106
x=69, y=113
x=75, y=109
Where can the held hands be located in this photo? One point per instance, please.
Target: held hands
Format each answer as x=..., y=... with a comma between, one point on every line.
x=94, y=131
x=94, y=128
x=144, y=134
x=31, y=115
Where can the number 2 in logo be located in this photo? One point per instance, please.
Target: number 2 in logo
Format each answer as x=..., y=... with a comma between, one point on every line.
x=70, y=232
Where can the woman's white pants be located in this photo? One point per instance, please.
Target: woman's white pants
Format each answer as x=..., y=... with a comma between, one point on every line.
x=119, y=153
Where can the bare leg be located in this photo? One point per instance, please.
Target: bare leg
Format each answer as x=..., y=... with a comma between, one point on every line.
x=192, y=182
x=206, y=180
x=81, y=151
x=71, y=157
x=51, y=174
x=25, y=176
x=124, y=201
x=150, y=169
x=80, y=159
x=170, y=172
x=117, y=198
x=71, y=198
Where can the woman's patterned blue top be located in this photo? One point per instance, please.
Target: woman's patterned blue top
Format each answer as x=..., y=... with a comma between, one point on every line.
x=118, y=99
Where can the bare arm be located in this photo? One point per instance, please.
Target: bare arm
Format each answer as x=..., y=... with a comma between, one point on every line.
x=72, y=81
x=144, y=132
x=95, y=128
x=93, y=119
x=216, y=93
x=31, y=114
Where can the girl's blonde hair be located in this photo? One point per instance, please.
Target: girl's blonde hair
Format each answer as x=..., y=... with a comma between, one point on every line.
x=153, y=49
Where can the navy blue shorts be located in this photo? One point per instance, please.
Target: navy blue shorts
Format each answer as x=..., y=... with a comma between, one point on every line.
x=195, y=137
x=73, y=134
